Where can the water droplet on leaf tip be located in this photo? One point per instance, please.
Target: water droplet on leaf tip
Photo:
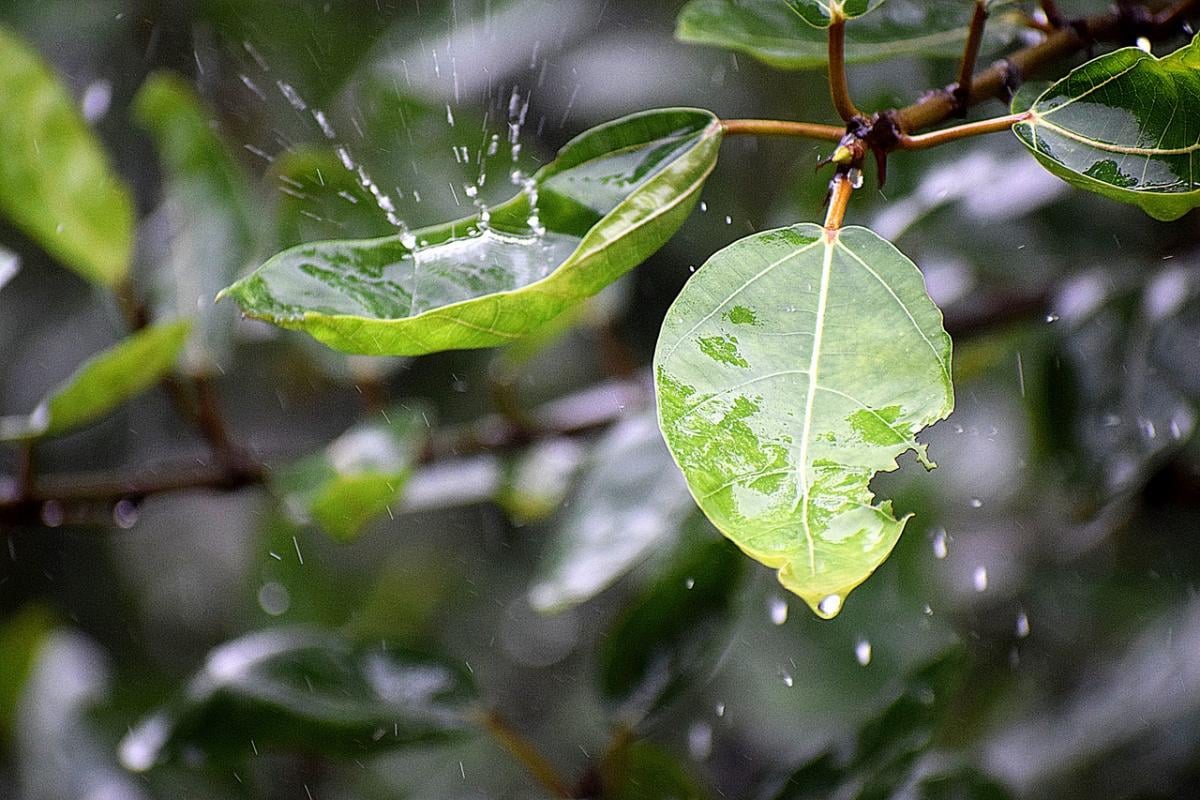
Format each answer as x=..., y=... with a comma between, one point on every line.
x=830, y=605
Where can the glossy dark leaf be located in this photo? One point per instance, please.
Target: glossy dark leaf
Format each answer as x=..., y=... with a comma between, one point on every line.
x=56, y=183
x=670, y=633
x=612, y=197
x=1125, y=125
x=207, y=226
x=790, y=34
x=792, y=367
x=304, y=690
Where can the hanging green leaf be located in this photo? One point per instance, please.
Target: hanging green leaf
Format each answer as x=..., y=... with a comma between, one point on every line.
x=1125, y=125
x=103, y=383
x=359, y=476
x=631, y=504
x=669, y=635
x=612, y=197
x=304, y=689
x=207, y=225
x=794, y=366
x=56, y=184
x=789, y=34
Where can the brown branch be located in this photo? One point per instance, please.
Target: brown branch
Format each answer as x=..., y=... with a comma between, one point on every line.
x=966, y=68
x=923, y=141
x=840, y=190
x=839, y=87
x=779, y=127
x=526, y=754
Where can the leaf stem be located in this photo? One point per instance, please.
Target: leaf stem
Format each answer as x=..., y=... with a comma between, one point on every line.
x=839, y=87
x=966, y=69
x=923, y=141
x=779, y=127
x=525, y=753
x=840, y=190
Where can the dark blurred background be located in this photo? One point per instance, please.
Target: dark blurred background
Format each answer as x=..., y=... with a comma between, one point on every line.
x=1050, y=572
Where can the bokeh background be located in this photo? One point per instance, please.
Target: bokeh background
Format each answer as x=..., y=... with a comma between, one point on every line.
x=1035, y=634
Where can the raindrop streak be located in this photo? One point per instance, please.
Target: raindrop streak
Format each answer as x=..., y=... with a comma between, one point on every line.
x=787, y=678
x=980, y=579
x=1022, y=625
x=779, y=610
x=940, y=543
x=862, y=652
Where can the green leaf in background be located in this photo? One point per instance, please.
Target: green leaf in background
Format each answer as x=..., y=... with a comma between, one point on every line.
x=21, y=636
x=667, y=638
x=208, y=219
x=104, y=382
x=782, y=33
x=540, y=478
x=630, y=505
x=791, y=368
x=319, y=198
x=304, y=689
x=56, y=184
x=1125, y=125
x=820, y=13
x=641, y=770
x=898, y=748
x=612, y=197
x=359, y=476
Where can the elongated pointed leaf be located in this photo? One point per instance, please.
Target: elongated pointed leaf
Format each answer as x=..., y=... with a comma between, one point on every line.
x=359, y=476
x=792, y=368
x=612, y=197
x=56, y=184
x=1125, y=125
x=789, y=34
x=303, y=689
x=104, y=382
x=207, y=224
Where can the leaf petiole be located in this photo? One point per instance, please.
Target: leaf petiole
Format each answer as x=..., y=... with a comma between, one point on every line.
x=924, y=141
x=779, y=127
x=839, y=87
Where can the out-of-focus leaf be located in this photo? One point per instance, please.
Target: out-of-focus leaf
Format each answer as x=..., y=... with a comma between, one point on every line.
x=359, y=476
x=209, y=226
x=791, y=368
x=55, y=181
x=21, y=637
x=108, y=379
x=1125, y=125
x=895, y=749
x=61, y=751
x=321, y=199
x=630, y=505
x=641, y=770
x=540, y=479
x=669, y=635
x=790, y=34
x=302, y=689
x=612, y=197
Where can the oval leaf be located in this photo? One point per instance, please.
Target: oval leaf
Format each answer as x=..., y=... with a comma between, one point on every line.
x=55, y=181
x=1125, y=125
x=359, y=476
x=612, y=197
x=791, y=35
x=302, y=689
x=794, y=366
x=103, y=382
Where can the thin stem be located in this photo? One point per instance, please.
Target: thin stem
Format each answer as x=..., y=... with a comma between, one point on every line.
x=526, y=754
x=966, y=69
x=779, y=127
x=839, y=197
x=26, y=470
x=924, y=141
x=212, y=425
x=839, y=87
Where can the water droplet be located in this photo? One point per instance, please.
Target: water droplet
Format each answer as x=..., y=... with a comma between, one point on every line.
x=690, y=583
x=788, y=681
x=830, y=605
x=862, y=652
x=1022, y=625
x=976, y=502
x=703, y=207
x=1052, y=318
x=728, y=220
x=941, y=541
x=125, y=514
x=700, y=739
x=779, y=610
x=274, y=598
x=980, y=579
x=855, y=177
x=720, y=709
x=53, y=514
x=1148, y=428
